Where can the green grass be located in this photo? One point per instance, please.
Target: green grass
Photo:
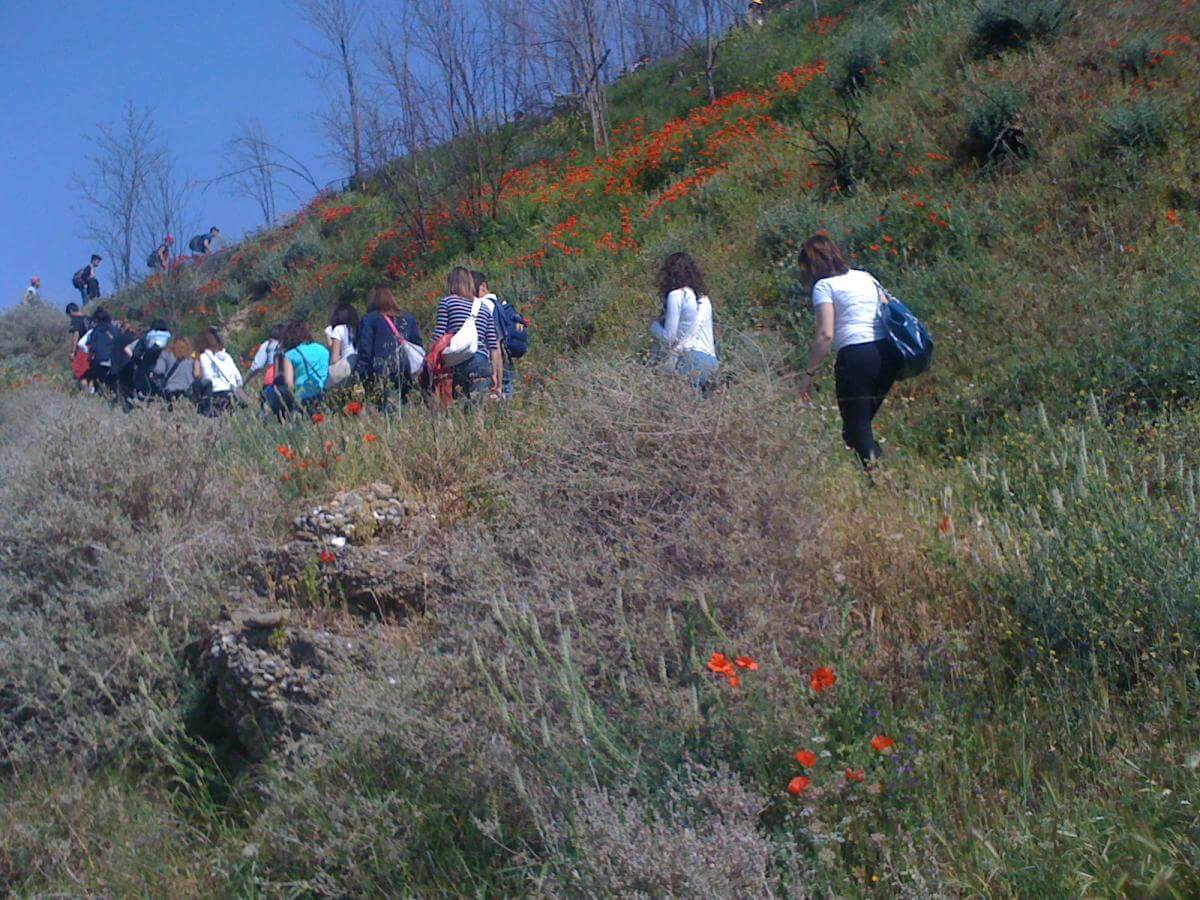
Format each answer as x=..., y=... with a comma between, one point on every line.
x=1014, y=602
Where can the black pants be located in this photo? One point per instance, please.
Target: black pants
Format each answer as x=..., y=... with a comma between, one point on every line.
x=864, y=374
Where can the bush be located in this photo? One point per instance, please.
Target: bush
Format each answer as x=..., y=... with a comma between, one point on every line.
x=115, y=538
x=858, y=55
x=994, y=131
x=1138, y=52
x=1006, y=24
x=36, y=331
x=1136, y=127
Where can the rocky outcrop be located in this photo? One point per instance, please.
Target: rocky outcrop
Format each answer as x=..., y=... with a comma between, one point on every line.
x=266, y=682
x=366, y=550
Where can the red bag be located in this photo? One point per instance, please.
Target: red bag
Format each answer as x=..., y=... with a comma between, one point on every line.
x=80, y=363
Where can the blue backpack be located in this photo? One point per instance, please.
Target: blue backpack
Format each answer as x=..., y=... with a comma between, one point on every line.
x=513, y=328
x=910, y=338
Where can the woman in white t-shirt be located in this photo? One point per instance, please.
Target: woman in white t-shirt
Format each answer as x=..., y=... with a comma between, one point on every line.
x=340, y=334
x=846, y=303
x=685, y=328
x=217, y=372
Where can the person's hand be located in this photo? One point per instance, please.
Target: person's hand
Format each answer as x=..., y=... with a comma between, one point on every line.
x=806, y=386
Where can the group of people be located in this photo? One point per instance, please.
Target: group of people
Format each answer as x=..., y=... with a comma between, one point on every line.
x=476, y=340
x=85, y=281
x=472, y=355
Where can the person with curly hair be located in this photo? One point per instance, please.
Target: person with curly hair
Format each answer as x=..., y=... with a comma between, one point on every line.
x=685, y=328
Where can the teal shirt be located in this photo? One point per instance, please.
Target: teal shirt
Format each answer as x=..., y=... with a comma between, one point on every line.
x=310, y=362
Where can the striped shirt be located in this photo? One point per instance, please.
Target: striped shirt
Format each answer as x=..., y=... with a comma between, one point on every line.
x=453, y=311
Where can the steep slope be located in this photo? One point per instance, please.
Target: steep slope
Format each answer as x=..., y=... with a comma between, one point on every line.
x=1009, y=615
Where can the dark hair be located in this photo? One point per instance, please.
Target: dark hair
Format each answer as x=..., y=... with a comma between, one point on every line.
x=679, y=270
x=216, y=229
x=96, y=257
x=296, y=333
x=460, y=283
x=821, y=258
x=72, y=308
x=479, y=278
x=277, y=331
x=159, y=325
x=209, y=340
x=101, y=316
x=380, y=300
x=345, y=314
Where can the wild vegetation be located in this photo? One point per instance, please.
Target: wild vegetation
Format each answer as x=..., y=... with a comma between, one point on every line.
x=668, y=645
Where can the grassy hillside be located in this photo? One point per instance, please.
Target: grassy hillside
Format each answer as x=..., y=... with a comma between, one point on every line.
x=520, y=701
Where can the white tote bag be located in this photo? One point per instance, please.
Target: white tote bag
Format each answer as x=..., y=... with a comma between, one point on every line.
x=412, y=356
x=465, y=342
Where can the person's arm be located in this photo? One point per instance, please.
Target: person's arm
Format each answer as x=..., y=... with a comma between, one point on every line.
x=197, y=368
x=289, y=375
x=129, y=349
x=821, y=345
x=670, y=326
x=335, y=350
x=412, y=330
x=492, y=342
x=442, y=323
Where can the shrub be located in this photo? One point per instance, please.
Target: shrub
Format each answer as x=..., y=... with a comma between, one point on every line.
x=1138, y=52
x=1006, y=24
x=37, y=331
x=1138, y=126
x=858, y=55
x=994, y=132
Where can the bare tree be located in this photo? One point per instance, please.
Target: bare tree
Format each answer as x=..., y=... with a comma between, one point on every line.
x=259, y=169
x=168, y=203
x=116, y=191
x=576, y=31
x=338, y=23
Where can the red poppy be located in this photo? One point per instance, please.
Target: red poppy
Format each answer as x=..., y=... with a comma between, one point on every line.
x=720, y=664
x=327, y=557
x=822, y=679
x=734, y=681
x=1172, y=217
x=353, y=408
x=881, y=742
x=798, y=785
x=855, y=775
x=806, y=758
x=285, y=451
x=745, y=662
x=318, y=418
x=370, y=438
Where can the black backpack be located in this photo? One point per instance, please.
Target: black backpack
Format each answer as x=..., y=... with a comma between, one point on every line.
x=102, y=343
x=197, y=244
x=153, y=261
x=78, y=281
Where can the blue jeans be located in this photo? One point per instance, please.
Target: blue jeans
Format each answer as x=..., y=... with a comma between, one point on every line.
x=699, y=367
x=508, y=383
x=473, y=378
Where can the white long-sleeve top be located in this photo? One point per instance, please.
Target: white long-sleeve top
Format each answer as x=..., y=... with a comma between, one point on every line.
x=687, y=323
x=221, y=370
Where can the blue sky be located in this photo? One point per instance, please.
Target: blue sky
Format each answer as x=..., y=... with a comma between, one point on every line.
x=67, y=66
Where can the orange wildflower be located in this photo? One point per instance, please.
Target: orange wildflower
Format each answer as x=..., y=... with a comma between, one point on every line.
x=944, y=525
x=806, y=758
x=370, y=438
x=734, y=681
x=720, y=664
x=855, y=775
x=353, y=408
x=881, y=742
x=798, y=785
x=327, y=557
x=285, y=451
x=1172, y=217
x=745, y=662
x=822, y=679
x=318, y=418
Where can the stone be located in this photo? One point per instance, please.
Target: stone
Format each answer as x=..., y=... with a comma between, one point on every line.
x=263, y=619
